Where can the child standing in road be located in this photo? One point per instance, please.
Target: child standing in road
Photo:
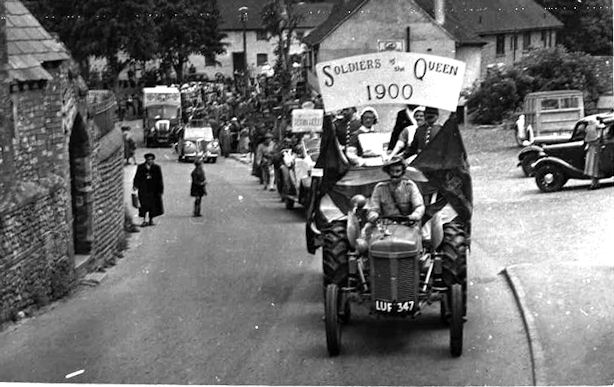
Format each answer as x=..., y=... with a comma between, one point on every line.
x=199, y=185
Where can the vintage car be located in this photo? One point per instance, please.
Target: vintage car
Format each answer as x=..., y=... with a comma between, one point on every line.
x=561, y=162
x=538, y=149
x=197, y=140
x=294, y=171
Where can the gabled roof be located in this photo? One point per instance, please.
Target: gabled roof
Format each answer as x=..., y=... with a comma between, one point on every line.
x=345, y=9
x=499, y=16
x=29, y=45
x=465, y=20
x=313, y=14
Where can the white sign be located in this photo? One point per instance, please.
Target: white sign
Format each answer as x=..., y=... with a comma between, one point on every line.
x=391, y=45
x=161, y=96
x=307, y=120
x=391, y=78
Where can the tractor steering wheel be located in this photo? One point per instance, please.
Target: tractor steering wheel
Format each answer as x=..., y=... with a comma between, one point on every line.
x=398, y=219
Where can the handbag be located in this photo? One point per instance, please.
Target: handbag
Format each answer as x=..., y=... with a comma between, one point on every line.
x=135, y=200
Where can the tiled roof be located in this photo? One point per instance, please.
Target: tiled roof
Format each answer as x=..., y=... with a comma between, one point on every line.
x=497, y=16
x=344, y=9
x=29, y=45
x=465, y=20
x=313, y=14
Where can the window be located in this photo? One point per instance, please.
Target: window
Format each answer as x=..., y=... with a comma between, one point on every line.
x=550, y=104
x=261, y=35
x=550, y=38
x=209, y=60
x=300, y=35
x=514, y=42
x=526, y=40
x=261, y=59
x=500, y=44
x=569, y=102
x=545, y=38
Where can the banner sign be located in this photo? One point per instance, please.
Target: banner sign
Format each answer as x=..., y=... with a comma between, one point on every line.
x=390, y=77
x=307, y=120
x=161, y=96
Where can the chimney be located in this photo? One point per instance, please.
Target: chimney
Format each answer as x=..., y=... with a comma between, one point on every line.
x=439, y=10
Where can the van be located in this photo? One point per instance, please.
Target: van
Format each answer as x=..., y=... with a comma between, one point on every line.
x=549, y=116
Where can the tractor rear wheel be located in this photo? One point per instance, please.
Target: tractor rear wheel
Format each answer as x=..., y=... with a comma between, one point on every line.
x=454, y=249
x=333, y=325
x=334, y=254
x=456, y=320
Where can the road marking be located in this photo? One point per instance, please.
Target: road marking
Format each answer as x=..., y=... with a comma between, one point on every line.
x=76, y=373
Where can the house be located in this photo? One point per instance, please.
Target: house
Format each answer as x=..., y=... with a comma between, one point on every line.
x=481, y=33
x=259, y=45
x=61, y=170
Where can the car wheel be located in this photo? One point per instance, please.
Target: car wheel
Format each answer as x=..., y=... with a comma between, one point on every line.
x=526, y=164
x=331, y=317
x=549, y=178
x=289, y=204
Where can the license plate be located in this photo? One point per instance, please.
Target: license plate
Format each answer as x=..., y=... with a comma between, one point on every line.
x=394, y=307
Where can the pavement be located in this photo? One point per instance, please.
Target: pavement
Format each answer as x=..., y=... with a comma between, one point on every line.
x=569, y=317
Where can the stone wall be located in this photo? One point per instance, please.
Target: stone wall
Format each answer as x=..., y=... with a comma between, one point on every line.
x=36, y=264
x=108, y=175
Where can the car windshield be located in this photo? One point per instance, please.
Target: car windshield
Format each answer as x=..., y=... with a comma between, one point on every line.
x=167, y=112
x=204, y=132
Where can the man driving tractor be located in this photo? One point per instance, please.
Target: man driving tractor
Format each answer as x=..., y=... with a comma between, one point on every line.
x=396, y=197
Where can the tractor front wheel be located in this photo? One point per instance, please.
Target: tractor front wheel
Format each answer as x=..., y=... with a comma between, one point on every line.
x=334, y=254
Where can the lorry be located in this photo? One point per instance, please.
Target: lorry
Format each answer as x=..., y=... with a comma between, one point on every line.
x=162, y=119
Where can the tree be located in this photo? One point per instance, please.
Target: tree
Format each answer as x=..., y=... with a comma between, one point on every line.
x=187, y=27
x=588, y=24
x=280, y=18
x=503, y=90
x=108, y=30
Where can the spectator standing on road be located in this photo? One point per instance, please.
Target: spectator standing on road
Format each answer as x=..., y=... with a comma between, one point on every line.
x=264, y=161
x=150, y=186
x=593, y=140
x=129, y=145
x=199, y=185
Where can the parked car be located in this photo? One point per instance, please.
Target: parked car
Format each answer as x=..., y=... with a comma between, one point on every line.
x=562, y=162
x=197, y=140
x=531, y=153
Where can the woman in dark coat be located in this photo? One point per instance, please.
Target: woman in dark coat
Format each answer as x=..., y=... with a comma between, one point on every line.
x=199, y=185
x=148, y=182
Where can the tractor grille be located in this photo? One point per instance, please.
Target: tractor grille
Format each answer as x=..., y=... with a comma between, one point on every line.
x=395, y=279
